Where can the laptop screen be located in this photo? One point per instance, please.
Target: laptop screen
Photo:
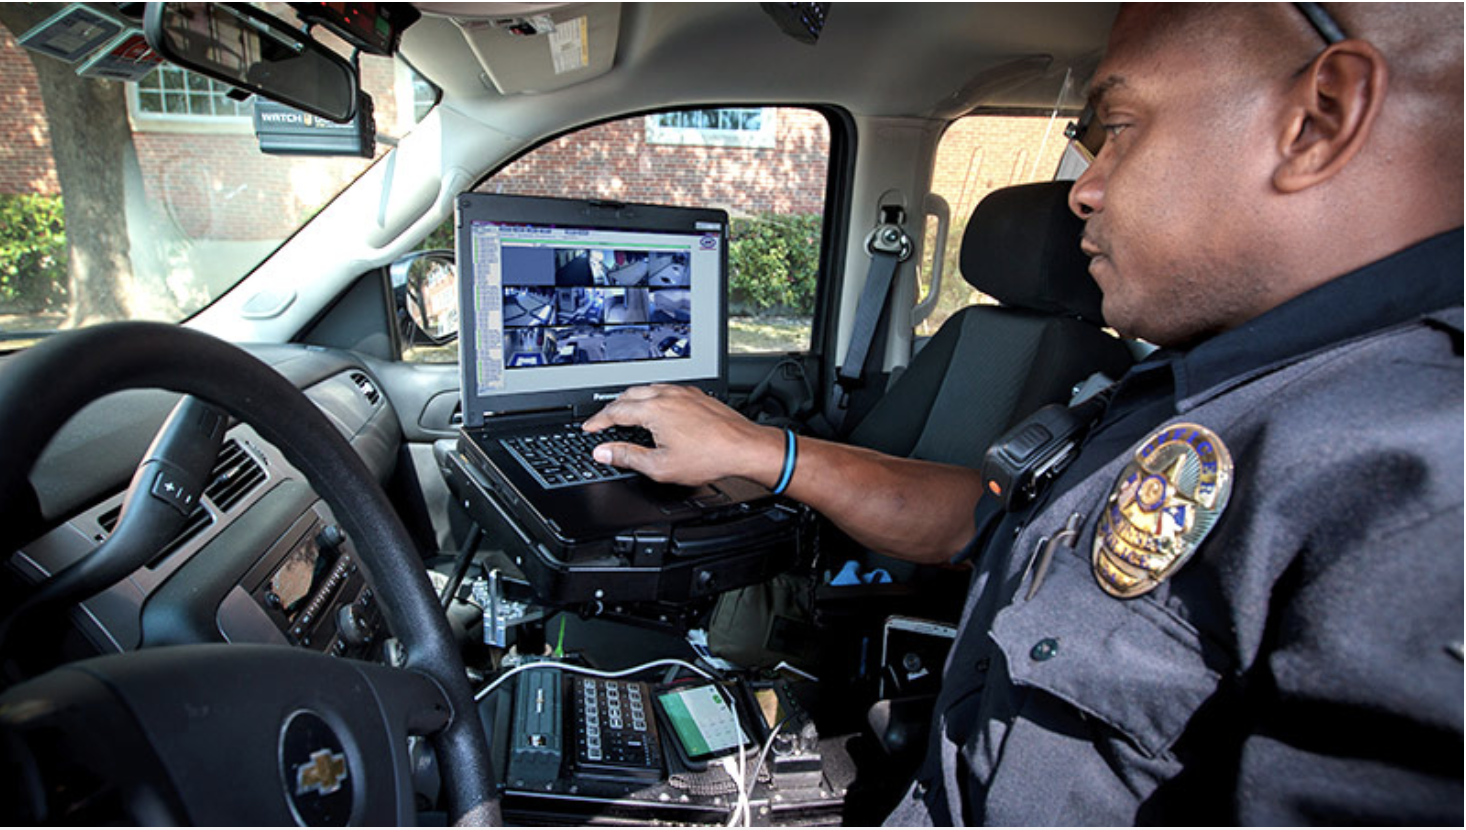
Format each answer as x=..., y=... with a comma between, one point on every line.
x=564, y=303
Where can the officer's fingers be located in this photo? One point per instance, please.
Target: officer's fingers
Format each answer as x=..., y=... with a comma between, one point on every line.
x=627, y=456
x=616, y=413
x=627, y=410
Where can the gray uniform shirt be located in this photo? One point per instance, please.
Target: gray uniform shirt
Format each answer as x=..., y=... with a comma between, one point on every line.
x=1305, y=664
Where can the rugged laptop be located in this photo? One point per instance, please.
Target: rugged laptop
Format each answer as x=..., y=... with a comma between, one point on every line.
x=562, y=305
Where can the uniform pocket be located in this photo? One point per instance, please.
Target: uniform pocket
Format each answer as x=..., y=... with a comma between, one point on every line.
x=1127, y=663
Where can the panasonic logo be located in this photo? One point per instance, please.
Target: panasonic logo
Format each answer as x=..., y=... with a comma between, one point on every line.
x=603, y=396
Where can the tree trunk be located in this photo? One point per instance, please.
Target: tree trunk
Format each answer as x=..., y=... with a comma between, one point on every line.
x=90, y=139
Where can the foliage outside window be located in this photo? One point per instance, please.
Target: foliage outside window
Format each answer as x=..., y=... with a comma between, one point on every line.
x=32, y=253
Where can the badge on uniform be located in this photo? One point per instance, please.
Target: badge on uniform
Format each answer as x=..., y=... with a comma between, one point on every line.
x=1165, y=502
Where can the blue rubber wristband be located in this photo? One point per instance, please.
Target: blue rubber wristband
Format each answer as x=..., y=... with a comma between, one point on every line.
x=791, y=454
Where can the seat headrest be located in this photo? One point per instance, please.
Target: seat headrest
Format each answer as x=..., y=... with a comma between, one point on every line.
x=1022, y=248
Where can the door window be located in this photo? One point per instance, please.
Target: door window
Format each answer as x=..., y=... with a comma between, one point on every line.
x=766, y=166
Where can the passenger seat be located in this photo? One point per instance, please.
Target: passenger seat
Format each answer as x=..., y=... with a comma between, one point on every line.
x=990, y=366
x=987, y=368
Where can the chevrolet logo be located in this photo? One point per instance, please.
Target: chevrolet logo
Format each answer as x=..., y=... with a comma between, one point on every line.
x=323, y=774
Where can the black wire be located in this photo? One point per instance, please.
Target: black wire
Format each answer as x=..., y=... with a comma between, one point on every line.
x=460, y=565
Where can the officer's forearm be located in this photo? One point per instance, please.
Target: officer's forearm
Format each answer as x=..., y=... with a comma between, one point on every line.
x=915, y=510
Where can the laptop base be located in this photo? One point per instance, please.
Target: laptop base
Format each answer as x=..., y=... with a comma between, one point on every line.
x=669, y=562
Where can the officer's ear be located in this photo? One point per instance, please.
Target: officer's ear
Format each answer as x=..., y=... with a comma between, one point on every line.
x=1329, y=112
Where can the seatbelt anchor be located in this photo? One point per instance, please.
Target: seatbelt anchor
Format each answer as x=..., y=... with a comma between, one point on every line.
x=889, y=238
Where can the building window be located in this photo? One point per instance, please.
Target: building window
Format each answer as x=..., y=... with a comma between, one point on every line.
x=727, y=127
x=169, y=91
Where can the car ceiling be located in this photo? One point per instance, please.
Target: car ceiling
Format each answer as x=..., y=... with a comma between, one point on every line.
x=936, y=60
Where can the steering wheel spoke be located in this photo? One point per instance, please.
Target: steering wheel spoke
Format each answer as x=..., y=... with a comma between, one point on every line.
x=333, y=751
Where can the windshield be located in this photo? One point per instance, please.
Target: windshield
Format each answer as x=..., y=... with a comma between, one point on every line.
x=148, y=199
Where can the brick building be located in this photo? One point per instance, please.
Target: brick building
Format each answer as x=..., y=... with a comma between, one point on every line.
x=626, y=160
x=25, y=139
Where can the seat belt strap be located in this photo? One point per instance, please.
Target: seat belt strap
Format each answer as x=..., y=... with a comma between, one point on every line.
x=889, y=246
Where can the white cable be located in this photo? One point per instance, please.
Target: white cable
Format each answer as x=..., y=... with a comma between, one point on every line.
x=764, y=753
x=731, y=768
x=743, y=786
x=551, y=664
x=746, y=783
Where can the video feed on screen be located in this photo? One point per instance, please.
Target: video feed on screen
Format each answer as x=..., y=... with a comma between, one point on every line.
x=524, y=347
x=529, y=306
x=609, y=268
x=671, y=305
x=566, y=305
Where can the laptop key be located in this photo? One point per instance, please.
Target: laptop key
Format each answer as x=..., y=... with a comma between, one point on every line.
x=564, y=459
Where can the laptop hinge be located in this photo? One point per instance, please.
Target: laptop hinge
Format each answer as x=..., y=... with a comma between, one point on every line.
x=586, y=409
x=500, y=419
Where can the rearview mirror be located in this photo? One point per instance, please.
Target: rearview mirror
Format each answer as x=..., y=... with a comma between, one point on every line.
x=246, y=48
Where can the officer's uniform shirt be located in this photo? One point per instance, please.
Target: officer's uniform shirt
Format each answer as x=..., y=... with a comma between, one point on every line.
x=1245, y=688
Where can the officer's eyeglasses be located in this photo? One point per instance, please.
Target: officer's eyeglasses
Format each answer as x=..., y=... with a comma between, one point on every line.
x=1322, y=22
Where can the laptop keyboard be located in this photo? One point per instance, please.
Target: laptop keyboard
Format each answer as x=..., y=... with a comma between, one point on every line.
x=563, y=459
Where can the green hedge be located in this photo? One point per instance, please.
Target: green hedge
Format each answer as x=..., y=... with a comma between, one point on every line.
x=33, y=274
x=773, y=263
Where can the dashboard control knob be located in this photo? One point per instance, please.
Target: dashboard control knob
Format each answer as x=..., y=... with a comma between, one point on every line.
x=353, y=626
x=330, y=537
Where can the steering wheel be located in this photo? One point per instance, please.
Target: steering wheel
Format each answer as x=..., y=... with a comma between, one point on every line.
x=232, y=734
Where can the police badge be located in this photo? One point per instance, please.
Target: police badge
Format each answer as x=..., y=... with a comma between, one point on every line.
x=1165, y=502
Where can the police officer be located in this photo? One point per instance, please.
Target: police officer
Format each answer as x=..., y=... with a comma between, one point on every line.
x=1243, y=601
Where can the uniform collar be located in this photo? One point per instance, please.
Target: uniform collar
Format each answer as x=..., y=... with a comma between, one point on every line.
x=1404, y=286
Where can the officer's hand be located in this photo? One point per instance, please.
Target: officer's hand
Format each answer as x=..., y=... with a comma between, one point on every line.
x=698, y=438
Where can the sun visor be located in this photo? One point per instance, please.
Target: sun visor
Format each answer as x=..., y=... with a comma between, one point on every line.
x=545, y=51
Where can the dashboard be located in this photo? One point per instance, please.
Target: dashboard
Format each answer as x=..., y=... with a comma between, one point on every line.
x=260, y=559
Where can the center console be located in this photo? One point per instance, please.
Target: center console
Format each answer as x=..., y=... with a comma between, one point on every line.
x=311, y=586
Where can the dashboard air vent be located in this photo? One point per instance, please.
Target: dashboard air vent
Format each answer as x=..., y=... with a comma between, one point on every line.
x=198, y=520
x=368, y=388
x=236, y=473
x=108, y=520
